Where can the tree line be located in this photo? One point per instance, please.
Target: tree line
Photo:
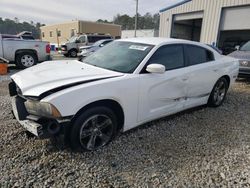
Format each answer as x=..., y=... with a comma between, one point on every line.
x=13, y=27
x=147, y=21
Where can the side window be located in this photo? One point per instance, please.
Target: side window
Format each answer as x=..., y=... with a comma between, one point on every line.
x=197, y=55
x=82, y=39
x=171, y=56
x=90, y=39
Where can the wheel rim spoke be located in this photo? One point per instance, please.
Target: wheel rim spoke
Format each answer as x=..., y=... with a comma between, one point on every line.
x=105, y=138
x=91, y=142
x=219, y=92
x=94, y=121
x=86, y=133
x=104, y=124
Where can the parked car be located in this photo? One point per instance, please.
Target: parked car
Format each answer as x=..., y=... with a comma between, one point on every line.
x=229, y=45
x=71, y=48
x=243, y=54
x=88, y=50
x=24, y=53
x=122, y=85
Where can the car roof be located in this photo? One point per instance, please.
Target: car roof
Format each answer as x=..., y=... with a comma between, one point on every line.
x=153, y=40
x=158, y=41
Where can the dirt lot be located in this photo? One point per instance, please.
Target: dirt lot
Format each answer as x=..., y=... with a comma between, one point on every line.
x=199, y=148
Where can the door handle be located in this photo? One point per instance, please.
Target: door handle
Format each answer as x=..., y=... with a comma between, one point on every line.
x=184, y=79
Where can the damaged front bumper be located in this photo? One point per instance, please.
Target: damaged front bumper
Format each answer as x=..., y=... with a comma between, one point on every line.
x=41, y=127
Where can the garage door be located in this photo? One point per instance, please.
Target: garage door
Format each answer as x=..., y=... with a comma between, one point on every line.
x=237, y=18
x=188, y=16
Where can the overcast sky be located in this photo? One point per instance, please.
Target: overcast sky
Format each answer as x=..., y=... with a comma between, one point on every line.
x=54, y=11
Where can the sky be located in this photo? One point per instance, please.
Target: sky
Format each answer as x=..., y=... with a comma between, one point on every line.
x=56, y=11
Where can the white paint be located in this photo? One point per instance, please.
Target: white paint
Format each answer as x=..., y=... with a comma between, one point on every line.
x=143, y=97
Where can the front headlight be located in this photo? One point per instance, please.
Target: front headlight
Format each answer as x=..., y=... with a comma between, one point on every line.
x=42, y=109
x=245, y=63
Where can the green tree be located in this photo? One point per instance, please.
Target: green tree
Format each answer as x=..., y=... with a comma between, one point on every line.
x=8, y=26
x=147, y=21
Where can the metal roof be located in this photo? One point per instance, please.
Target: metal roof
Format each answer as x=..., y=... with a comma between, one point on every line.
x=175, y=5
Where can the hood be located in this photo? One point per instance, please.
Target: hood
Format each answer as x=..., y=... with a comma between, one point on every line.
x=50, y=75
x=245, y=55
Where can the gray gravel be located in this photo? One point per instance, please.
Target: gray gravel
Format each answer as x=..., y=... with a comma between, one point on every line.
x=198, y=148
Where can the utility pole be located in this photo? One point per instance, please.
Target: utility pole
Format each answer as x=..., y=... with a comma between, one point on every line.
x=136, y=16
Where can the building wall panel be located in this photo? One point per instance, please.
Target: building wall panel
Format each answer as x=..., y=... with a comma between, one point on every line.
x=211, y=19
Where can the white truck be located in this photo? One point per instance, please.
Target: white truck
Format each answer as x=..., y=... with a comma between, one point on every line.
x=24, y=53
x=71, y=48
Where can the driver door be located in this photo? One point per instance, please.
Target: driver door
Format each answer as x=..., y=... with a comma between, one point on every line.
x=163, y=94
x=81, y=41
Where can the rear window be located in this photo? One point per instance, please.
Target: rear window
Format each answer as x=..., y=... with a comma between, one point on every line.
x=198, y=55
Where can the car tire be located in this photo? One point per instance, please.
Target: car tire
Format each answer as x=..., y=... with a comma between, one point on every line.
x=73, y=53
x=26, y=60
x=218, y=93
x=93, y=129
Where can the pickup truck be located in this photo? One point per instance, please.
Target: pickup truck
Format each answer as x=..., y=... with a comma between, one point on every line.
x=24, y=53
x=71, y=48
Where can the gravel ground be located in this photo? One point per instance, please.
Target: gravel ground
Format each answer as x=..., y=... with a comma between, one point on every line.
x=198, y=148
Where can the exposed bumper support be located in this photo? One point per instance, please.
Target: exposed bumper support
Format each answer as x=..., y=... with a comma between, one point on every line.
x=40, y=127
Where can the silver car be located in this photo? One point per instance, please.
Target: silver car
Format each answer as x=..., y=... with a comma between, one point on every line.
x=243, y=54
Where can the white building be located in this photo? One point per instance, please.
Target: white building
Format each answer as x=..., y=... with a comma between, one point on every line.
x=209, y=21
x=140, y=33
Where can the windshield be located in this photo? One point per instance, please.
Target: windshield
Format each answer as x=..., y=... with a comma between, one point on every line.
x=73, y=39
x=119, y=56
x=245, y=47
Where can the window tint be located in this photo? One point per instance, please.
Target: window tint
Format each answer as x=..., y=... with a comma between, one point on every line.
x=170, y=56
x=197, y=55
x=246, y=47
x=93, y=39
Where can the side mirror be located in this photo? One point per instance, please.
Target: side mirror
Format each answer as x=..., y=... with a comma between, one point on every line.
x=77, y=41
x=237, y=47
x=156, y=68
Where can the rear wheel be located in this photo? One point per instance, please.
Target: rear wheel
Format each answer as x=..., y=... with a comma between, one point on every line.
x=93, y=129
x=26, y=60
x=218, y=93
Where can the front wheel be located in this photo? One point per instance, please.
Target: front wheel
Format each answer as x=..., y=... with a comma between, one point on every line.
x=73, y=53
x=93, y=129
x=218, y=93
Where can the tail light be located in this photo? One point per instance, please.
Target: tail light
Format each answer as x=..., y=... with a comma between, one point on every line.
x=48, y=48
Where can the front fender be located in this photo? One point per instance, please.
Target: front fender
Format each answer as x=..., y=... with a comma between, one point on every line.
x=123, y=90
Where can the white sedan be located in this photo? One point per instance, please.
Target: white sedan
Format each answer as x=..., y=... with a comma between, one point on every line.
x=121, y=86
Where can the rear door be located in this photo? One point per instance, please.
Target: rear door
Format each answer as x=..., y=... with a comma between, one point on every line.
x=203, y=71
x=163, y=94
